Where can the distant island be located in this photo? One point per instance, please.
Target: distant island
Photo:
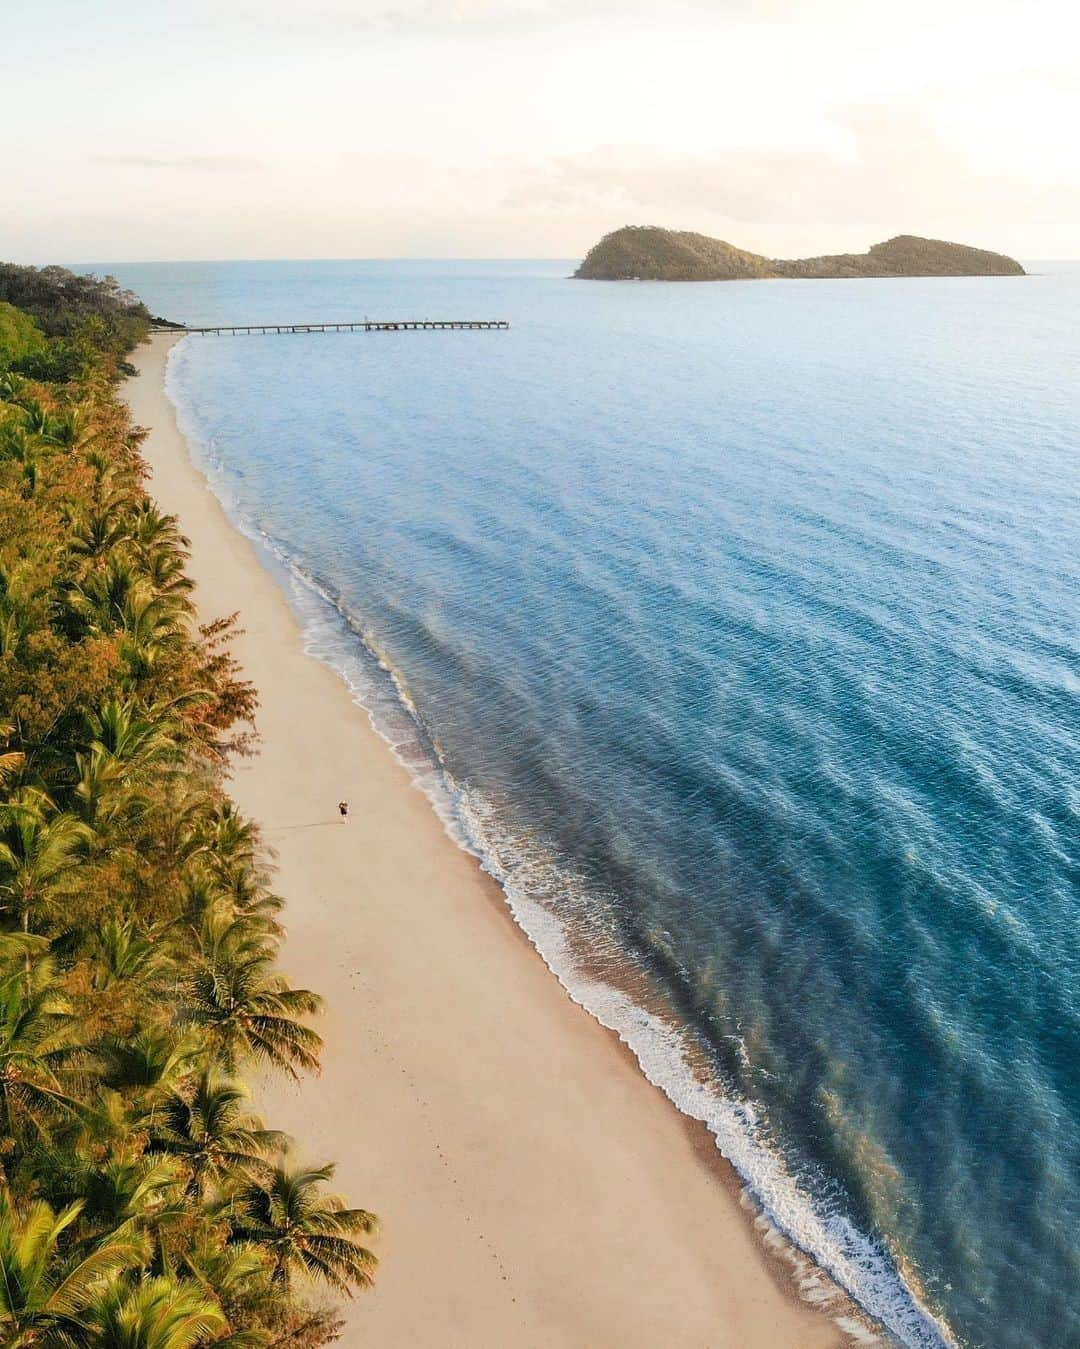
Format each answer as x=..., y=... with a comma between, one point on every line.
x=649, y=253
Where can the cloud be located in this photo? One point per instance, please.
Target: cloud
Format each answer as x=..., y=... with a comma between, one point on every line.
x=441, y=17
x=895, y=164
x=1063, y=78
x=186, y=163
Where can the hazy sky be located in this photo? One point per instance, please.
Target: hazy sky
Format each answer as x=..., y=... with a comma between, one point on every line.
x=527, y=128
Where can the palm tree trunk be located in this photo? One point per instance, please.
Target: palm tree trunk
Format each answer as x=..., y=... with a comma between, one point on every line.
x=26, y=954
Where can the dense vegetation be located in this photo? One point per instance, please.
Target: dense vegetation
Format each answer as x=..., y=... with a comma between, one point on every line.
x=648, y=253
x=86, y=316
x=904, y=255
x=142, y=1204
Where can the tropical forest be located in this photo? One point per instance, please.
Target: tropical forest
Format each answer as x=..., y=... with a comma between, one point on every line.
x=143, y=1201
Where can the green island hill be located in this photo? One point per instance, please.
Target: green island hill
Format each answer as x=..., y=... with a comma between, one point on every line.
x=650, y=253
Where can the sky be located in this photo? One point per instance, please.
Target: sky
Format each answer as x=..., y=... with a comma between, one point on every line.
x=138, y=130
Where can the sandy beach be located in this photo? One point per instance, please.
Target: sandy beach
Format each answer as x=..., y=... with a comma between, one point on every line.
x=534, y=1188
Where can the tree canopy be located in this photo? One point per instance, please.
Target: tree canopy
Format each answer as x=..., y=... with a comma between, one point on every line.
x=143, y=1201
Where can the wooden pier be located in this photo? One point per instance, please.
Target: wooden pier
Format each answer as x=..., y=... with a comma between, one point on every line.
x=363, y=325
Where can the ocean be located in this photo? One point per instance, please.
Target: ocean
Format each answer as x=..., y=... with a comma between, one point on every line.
x=736, y=629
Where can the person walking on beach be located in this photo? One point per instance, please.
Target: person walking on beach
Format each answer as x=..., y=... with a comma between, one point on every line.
x=343, y=810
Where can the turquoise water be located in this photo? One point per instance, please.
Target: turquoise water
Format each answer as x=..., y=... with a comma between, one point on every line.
x=736, y=628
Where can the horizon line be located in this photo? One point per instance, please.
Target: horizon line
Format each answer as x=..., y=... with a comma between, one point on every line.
x=165, y=262
x=143, y=262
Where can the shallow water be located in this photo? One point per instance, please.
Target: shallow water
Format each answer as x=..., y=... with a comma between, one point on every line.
x=736, y=627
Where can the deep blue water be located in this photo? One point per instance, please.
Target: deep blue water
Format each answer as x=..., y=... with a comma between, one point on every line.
x=737, y=627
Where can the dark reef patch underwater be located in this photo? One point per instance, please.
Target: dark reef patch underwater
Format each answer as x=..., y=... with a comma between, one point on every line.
x=738, y=628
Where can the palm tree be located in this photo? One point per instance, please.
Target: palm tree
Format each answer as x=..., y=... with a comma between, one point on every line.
x=29, y=450
x=159, y=1313
x=162, y=549
x=205, y=1125
x=38, y=847
x=245, y=1009
x=227, y=847
x=137, y=741
x=13, y=441
x=120, y=953
x=99, y=599
x=231, y=842
x=68, y=429
x=42, y=1294
x=152, y=626
x=18, y=612
x=305, y=1230
x=212, y=884
x=36, y=853
x=164, y=568
x=124, y=748
x=105, y=465
x=125, y=1190
x=94, y=536
x=237, y=1276
x=154, y=529
x=119, y=596
x=199, y=894
x=36, y=417
x=225, y=935
x=250, y=898
x=149, y=1064
x=178, y=824
x=12, y=387
x=11, y=760
x=39, y=1044
x=103, y=797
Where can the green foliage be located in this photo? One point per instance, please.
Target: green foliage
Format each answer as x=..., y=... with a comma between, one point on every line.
x=20, y=337
x=61, y=301
x=141, y=1202
x=154, y=1313
x=47, y=1285
x=304, y=1230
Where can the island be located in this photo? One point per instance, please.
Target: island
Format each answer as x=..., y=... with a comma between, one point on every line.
x=649, y=253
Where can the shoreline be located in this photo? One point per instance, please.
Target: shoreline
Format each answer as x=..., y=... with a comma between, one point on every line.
x=574, y=1204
